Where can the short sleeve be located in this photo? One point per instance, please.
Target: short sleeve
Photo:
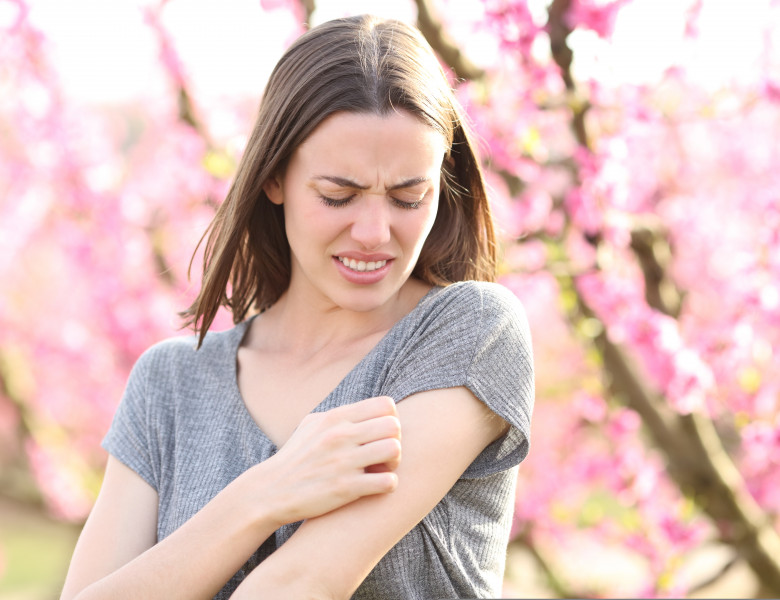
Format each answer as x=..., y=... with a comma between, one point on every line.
x=129, y=437
x=475, y=335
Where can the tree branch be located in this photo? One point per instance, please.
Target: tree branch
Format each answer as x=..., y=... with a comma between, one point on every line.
x=14, y=477
x=449, y=52
x=698, y=464
x=309, y=6
x=653, y=253
x=559, y=31
x=697, y=461
x=558, y=587
x=715, y=578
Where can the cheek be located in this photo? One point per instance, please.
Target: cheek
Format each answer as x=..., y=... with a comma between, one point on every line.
x=417, y=232
x=303, y=218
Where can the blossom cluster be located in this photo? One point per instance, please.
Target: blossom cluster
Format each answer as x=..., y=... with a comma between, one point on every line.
x=101, y=208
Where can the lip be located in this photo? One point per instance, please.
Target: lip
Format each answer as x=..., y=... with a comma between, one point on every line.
x=362, y=277
x=364, y=257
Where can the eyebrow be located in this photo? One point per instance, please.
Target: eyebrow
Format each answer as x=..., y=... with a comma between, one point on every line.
x=344, y=182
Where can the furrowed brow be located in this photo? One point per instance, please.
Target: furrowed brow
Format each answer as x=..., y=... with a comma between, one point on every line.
x=342, y=182
x=348, y=183
x=409, y=183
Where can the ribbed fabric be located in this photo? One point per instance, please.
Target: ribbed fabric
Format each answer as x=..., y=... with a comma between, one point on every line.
x=184, y=428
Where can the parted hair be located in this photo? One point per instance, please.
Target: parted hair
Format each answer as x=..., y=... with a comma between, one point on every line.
x=360, y=64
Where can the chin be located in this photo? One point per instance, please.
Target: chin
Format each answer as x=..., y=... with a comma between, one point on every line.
x=365, y=300
x=363, y=305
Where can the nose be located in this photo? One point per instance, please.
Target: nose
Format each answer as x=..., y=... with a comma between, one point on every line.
x=371, y=227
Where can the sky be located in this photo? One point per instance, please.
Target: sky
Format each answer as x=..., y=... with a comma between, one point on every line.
x=104, y=53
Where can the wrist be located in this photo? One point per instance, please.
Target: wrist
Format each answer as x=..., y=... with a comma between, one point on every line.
x=249, y=499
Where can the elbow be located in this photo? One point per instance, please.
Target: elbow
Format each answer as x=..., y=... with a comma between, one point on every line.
x=85, y=594
x=91, y=591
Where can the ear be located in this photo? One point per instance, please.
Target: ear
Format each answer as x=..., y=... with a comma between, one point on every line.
x=273, y=189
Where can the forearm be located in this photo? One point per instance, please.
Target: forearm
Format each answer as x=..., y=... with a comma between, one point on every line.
x=321, y=467
x=198, y=558
x=282, y=583
x=324, y=563
x=330, y=556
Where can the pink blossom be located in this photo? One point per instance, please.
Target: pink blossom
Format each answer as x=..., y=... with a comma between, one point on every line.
x=101, y=207
x=585, y=211
x=624, y=422
x=592, y=408
x=64, y=491
x=17, y=18
x=513, y=23
x=529, y=256
x=692, y=19
x=532, y=209
x=594, y=15
x=772, y=91
x=275, y=4
x=168, y=55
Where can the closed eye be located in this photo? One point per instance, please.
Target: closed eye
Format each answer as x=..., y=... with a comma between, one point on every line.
x=338, y=202
x=335, y=202
x=407, y=205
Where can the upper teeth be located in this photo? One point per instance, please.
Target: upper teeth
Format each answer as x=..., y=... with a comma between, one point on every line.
x=359, y=265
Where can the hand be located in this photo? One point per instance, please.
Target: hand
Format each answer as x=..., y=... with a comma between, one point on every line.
x=332, y=459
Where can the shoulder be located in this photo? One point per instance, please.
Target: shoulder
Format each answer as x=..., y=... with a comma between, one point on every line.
x=477, y=302
x=162, y=355
x=462, y=318
x=182, y=353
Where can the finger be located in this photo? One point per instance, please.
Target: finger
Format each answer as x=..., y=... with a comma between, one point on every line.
x=376, y=429
x=392, y=464
x=369, y=408
x=386, y=451
x=384, y=467
x=368, y=484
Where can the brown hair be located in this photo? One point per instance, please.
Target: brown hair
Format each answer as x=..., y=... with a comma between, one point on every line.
x=356, y=64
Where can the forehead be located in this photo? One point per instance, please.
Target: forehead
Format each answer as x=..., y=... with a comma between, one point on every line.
x=352, y=144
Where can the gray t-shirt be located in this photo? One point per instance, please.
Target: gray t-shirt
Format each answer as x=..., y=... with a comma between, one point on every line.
x=184, y=428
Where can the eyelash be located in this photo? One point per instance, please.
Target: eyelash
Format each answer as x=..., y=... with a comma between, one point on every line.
x=339, y=203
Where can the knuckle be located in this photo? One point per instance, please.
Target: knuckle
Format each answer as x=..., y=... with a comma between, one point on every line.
x=314, y=420
x=395, y=447
x=394, y=426
x=387, y=403
x=390, y=448
x=308, y=419
x=343, y=488
x=386, y=482
x=382, y=404
x=335, y=436
x=330, y=417
x=391, y=481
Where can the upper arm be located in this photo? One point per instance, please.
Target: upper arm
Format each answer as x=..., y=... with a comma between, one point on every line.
x=121, y=526
x=443, y=431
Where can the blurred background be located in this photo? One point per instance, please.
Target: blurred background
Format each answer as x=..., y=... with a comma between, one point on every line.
x=631, y=147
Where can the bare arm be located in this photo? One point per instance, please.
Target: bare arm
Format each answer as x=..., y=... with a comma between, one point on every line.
x=116, y=555
x=320, y=468
x=444, y=431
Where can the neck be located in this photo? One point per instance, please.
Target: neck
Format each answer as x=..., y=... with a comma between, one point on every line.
x=296, y=324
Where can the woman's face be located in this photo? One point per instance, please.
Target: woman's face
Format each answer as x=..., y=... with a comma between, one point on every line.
x=360, y=196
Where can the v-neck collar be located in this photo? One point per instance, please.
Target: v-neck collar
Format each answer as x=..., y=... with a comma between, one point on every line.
x=239, y=333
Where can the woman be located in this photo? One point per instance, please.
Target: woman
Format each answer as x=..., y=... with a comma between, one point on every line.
x=358, y=227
